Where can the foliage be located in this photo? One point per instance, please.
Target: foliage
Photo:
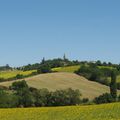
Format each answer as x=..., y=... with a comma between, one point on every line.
x=65, y=97
x=105, y=98
x=44, y=69
x=7, y=100
x=95, y=73
x=5, y=68
x=113, y=85
x=19, y=85
x=23, y=96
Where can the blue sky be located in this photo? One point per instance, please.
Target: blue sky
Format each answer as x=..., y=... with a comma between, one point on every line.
x=83, y=29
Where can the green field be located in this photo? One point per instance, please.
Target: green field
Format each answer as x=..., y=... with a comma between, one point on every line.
x=91, y=112
x=53, y=81
x=74, y=68
x=11, y=74
x=67, y=69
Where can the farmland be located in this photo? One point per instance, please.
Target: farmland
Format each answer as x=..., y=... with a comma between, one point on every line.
x=63, y=80
x=74, y=68
x=11, y=74
x=67, y=69
x=91, y=112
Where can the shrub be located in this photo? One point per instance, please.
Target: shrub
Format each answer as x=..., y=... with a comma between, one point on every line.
x=105, y=98
x=85, y=100
x=19, y=76
x=19, y=85
x=44, y=69
x=8, y=100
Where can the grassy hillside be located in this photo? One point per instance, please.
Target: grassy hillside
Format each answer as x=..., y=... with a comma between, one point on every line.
x=67, y=69
x=72, y=69
x=11, y=74
x=53, y=81
x=92, y=112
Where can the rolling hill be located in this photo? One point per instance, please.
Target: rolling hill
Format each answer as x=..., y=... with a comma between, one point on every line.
x=71, y=69
x=91, y=112
x=63, y=80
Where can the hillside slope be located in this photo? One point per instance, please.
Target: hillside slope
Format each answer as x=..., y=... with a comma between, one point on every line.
x=53, y=81
x=91, y=112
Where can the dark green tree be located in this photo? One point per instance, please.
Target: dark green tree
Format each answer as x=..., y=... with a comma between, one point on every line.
x=43, y=61
x=19, y=85
x=105, y=98
x=44, y=69
x=113, y=85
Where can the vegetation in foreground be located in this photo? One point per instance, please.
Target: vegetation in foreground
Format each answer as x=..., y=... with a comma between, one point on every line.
x=91, y=112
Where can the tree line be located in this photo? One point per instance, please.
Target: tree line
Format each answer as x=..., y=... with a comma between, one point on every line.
x=98, y=74
x=21, y=95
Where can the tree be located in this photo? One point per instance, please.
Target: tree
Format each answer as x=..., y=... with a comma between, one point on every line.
x=105, y=98
x=98, y=63
x=25, y=97
x=19, y=85
x=8, y=100
x=65, y=97
x=23, y=93
x=19, y=76
x=41, y=97
x=43, y=61
x=44, y=69
x=113, y=85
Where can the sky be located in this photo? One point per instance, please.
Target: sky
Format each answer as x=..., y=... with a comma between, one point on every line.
x=82, y=29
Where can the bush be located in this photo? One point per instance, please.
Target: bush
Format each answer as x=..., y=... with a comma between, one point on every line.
x=85, y=100
x=118, y=86
x=94, y=73
x=65, y=97
x=19, y=76
x=19, y=85
x=105, y=98
x=8, y=100
x=41, y=97
x=25, y=97
x=44, y=69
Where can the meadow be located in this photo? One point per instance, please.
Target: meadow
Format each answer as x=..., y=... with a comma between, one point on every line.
x=11, y=74
x=91, y=112
x=66, y=69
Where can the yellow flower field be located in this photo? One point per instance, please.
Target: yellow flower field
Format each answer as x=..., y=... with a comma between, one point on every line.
x=92, y=112
x=11, y=74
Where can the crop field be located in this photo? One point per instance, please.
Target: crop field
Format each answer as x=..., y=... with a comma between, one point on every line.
x=74, y=68
x=91, y=112
x=63, y=80
x=11, y=74
x=67, y=69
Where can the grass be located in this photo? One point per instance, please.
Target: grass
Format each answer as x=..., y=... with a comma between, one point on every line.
x=74, y=68
x=118, y=78
x=67, y=69
x=53, y=81
x=11, y=74
x=91, y=112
